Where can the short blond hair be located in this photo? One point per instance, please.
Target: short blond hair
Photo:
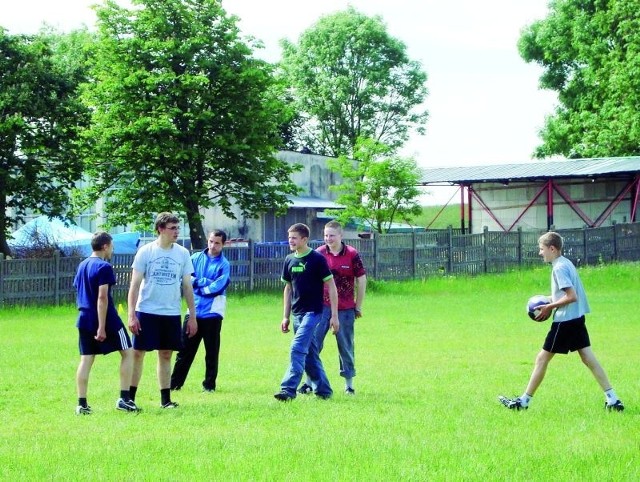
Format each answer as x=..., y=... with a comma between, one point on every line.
x=334, y=225
x=551, y=239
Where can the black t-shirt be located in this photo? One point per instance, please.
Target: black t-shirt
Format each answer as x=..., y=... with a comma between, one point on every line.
x=307, y=275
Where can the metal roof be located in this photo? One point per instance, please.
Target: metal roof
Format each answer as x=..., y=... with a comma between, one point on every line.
x=534, y=171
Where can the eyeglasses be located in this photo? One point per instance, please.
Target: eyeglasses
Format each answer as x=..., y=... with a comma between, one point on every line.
x=173, y=228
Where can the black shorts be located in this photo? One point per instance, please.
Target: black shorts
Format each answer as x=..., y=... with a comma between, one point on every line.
x=566, y=336
x=115, y=341
x=158, y=332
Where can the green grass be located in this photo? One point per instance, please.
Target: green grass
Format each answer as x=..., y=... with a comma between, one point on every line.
x=431, y=356
x=438, y=217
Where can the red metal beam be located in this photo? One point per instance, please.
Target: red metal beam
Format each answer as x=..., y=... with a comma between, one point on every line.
x=469, y=205
x=634, y=205
x=613, y=204
x=544, y=188
x=484, y=206
x=549, y=204
x=462, y=208
x=442, y=208
x=572, y=204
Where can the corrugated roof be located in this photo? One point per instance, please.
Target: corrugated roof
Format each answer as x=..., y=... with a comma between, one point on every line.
x=573, y=168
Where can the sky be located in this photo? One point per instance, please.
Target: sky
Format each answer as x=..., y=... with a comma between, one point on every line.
x=484, y=103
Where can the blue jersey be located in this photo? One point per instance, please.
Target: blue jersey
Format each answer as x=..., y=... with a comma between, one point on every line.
x=210, y=280
x=92, y=273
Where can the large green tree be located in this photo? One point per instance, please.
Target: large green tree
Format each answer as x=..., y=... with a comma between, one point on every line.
x=351, y=79
x=590, y=52
x=185, y=118
x=378, y=187
x=40, y=118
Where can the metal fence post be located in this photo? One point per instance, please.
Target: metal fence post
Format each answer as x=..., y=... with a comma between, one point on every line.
x=252, y=266
x=450, y=243
x=615, y=241
x=2, y=263
x=485, y=248
x=374, y=239
x=584, y=245
x=415, y=254
x=519, y=246
x=58, y=278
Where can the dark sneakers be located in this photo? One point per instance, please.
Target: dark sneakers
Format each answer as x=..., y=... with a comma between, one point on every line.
x=349, y=391
x=305, y=389
x=615, y=407
x=169, y=405
x=512, y=403
x=126, y=405
x=282, y=396
x=80, y=410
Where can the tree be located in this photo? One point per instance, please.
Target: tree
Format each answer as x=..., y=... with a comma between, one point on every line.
x=184, y=117
x=589, y=50
x=40, y=119
x=377, y=187
x=351, y=79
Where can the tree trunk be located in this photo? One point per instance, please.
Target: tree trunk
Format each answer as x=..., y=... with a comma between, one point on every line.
x=4, y=245
x=196, y=230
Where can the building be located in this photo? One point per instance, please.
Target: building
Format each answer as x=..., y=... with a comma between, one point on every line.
x=545, y=195
x=314, y=179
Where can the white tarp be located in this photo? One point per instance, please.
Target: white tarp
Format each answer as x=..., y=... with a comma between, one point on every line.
x=69, y=238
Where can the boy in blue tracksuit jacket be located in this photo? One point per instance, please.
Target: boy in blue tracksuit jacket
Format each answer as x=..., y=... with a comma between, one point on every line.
x=210, y=280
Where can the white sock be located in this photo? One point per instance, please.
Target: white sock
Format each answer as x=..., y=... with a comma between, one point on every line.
x=525, y=398
x=348, y=383
x=610, y=396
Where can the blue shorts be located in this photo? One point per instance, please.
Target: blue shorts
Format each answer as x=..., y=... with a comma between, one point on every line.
x=115, y=341
x=158, y=332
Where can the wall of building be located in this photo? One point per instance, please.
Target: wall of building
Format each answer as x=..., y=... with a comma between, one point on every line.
x=507, y=202
x=314, y=178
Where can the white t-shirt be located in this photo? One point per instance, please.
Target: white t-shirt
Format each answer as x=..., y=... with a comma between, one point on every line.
x=161, y=288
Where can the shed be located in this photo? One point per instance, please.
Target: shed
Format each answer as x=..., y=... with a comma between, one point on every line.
x=559, y=194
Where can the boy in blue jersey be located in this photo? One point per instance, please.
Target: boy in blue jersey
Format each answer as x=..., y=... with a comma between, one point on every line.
x=305, y=274
x=210, y=280
x=100, y=328
x=568, y=331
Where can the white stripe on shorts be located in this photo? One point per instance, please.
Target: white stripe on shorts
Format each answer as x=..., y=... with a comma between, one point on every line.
x=122, y=334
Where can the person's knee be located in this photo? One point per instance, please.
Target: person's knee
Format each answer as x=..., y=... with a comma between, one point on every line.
x=542, y=359
x=126, y=354
x=589, y=361
x=165, y=355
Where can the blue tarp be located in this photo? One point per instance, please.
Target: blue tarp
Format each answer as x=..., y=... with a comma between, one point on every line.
x=69, y=238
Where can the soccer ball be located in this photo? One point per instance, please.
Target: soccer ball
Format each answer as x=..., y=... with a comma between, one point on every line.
x=533, y=304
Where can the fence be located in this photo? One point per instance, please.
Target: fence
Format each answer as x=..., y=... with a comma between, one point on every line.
x=257, y=266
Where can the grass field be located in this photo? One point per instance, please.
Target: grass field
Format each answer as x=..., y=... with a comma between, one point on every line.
x=431, y=356
x=438, y=217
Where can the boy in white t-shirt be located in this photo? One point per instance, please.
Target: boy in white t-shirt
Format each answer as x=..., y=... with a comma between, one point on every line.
x=161, y=275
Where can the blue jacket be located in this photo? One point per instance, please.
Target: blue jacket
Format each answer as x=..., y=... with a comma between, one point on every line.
x=210, y=279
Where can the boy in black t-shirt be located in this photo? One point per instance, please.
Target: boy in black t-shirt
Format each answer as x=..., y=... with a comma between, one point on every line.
x=305, y=273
